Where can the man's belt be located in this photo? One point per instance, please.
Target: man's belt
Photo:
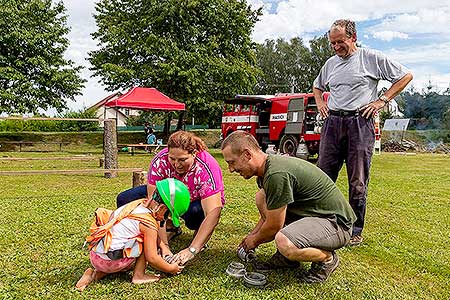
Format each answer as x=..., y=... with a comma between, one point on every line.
x=344, y=113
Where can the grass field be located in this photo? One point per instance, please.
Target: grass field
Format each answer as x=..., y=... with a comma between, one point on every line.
x=405, y=255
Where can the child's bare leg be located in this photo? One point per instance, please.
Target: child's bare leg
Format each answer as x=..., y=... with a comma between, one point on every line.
x=97, y=275
x=85, y=280
x=139, y=276
x=88, y=277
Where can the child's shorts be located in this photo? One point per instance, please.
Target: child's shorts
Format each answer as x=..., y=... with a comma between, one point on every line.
x=110, y=266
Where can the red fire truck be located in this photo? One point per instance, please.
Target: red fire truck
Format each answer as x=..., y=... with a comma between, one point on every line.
x=290, y=122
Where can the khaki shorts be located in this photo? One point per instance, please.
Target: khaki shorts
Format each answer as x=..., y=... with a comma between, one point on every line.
x=321, y=233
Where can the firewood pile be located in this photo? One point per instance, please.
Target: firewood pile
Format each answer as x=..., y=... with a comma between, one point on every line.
x=395, y=146
x=408, y=146
x=438, y=148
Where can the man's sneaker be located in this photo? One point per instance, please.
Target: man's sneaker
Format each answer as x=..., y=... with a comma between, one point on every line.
x=319, y=272
x=277, y=261
x=355, y=240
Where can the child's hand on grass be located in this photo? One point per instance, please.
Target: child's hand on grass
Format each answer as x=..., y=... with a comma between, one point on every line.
x=177, y=269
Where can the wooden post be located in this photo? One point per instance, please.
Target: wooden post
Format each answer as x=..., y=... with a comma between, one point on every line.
x=139, y=178
x=110, y=147
x=101, y=162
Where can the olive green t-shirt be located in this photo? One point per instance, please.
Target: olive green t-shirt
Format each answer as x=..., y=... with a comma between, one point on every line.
x=305, y=189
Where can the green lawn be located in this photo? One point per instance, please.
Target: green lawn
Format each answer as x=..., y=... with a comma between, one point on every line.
x=405, y=254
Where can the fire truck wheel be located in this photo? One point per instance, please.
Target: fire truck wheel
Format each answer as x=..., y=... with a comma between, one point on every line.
x=288, y=144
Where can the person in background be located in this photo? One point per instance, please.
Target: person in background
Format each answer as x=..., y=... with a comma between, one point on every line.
x=186, y=158
x=128, y=236
x=151, y=137
x=147, y=128
x=300, y=208
x=348, y=135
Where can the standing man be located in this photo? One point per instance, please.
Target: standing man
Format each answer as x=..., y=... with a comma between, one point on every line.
x=299, y=206
x=348, y=135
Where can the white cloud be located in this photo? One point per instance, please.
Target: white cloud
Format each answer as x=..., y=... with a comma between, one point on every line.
x=388, y=35
x=295, y=17
x=440, y=82
x=393, y=20
x=82, y=24
x=430, y=20
x=436, y=54
x=427, y=63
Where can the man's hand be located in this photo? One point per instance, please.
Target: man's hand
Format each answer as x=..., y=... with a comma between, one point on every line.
x=369, y=109
x=322, y=107
x=248, y=243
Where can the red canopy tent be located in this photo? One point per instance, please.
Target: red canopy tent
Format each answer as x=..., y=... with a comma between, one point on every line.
x=145, y=99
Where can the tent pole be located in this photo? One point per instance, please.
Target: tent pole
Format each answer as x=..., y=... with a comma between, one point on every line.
x=180, y=124
x=104, y=115
x=117, y=121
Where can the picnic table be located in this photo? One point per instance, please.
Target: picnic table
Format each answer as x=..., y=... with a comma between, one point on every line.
x=149, y=147
x=21, y=143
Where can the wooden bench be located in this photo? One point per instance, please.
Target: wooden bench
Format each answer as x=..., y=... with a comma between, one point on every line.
x=50, y=158
x=149, y=147
x=20, y=143
x=84, y=171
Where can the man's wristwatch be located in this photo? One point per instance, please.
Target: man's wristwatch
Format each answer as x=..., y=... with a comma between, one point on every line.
x=384, y=99
x=193, y=250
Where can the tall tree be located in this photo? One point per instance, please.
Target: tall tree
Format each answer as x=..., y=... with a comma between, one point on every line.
x=198, y=52
x=428, y=109
x=33, y=71
x=290, y=65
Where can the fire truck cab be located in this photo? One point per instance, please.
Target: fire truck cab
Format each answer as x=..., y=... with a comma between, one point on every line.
x=291, y=122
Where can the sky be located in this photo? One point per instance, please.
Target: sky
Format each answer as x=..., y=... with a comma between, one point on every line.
x=416, y=33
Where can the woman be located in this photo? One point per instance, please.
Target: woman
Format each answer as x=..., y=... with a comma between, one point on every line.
x=186, y=159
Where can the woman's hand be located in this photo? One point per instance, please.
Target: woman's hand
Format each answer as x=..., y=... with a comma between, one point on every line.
x=184, y=256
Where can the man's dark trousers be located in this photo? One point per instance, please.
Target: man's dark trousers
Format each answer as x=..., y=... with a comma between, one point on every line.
x=349, y=138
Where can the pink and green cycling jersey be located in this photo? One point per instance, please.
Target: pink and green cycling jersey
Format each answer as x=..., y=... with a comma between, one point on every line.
x=203, y=180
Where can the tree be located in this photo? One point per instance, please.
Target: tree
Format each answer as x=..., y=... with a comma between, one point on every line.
x=33, y=72
x=428, y=109
x=290, y=66
x=197, y=52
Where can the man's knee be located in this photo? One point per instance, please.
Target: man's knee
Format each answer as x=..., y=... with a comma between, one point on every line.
x=285, y=246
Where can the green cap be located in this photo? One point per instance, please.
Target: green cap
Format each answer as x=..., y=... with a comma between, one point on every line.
x=176, y=197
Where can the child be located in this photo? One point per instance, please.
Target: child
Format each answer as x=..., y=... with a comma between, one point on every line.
x=130, y=235
x=151, y=138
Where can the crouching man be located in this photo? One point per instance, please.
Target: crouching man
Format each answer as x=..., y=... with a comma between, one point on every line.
x=300, y=208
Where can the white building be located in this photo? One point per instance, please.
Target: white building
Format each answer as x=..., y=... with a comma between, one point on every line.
x=121, y=114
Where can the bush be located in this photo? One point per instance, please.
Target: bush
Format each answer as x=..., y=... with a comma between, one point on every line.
x=53, y=125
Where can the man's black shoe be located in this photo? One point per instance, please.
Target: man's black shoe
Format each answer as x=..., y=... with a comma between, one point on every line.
x=277, y=261
x=319, y=272
x=355, y=240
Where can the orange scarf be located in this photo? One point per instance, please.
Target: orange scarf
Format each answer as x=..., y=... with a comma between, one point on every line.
x=100, y=228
